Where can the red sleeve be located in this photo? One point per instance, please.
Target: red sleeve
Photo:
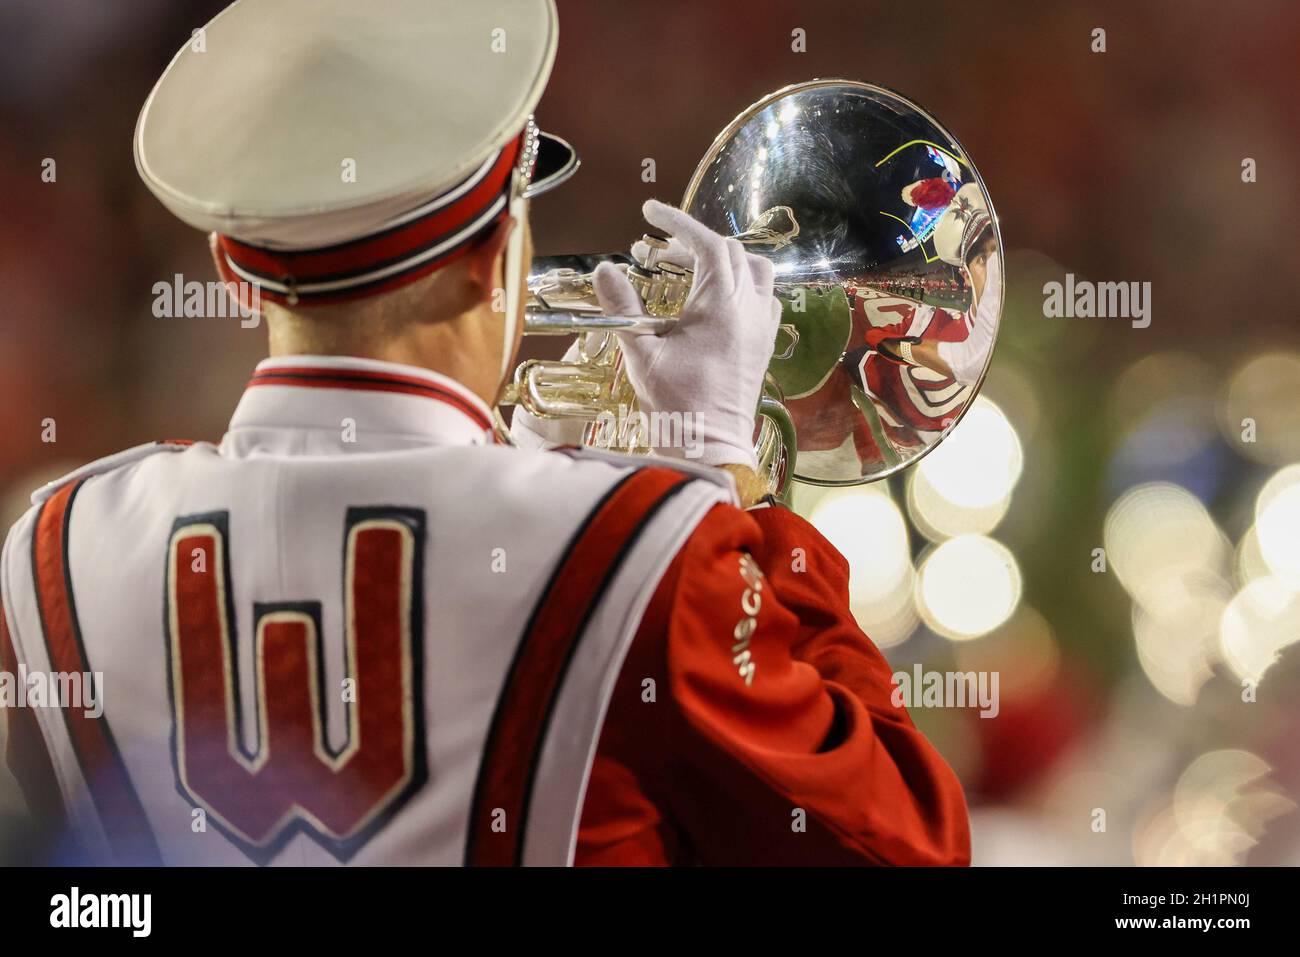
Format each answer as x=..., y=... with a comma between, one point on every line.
x=777, y=746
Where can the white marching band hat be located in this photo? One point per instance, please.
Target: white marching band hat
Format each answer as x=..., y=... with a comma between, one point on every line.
x=962, y=223
x=338, y=149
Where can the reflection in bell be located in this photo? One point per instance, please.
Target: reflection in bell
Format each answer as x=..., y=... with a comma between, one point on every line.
x=888, y=266
x=893, y=282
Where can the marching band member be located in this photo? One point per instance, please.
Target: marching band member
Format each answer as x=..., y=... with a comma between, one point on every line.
x=357, y=629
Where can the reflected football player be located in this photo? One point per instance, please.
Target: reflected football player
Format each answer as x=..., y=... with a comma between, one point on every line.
x=918, y=361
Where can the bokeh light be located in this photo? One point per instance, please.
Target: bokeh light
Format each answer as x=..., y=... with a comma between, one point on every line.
x=964, y=486
x=867, y=527
x=967, y=586
x=1261, y=410
x=938, y=518
x=1249, y=563
x=1277, y=524
x=1261, y=620
x=1011, y=389
x=978, y=464
x=1177, y=642
x=1159, y=533
x=1219, y=807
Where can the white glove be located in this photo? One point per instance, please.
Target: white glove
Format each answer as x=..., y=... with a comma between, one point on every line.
x=966, y=359
x=709, y=367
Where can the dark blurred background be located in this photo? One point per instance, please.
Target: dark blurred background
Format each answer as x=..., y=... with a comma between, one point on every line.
x=1122, y=735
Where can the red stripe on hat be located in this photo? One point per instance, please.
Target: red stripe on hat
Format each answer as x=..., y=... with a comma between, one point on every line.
x=242, y=290
x=355, y=258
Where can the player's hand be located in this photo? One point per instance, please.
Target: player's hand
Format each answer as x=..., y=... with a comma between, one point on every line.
x=711, y=365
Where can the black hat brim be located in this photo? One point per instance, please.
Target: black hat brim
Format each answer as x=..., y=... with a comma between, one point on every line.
x=557, y=160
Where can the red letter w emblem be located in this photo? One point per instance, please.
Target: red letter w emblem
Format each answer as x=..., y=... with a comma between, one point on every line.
x=291, y=779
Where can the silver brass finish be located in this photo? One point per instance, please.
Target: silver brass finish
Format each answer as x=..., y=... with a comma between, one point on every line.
x=820, y=178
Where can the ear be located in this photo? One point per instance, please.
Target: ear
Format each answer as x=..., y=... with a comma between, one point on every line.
x=485, y=263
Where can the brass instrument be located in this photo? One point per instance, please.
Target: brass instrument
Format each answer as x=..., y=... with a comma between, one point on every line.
x=820, y=177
